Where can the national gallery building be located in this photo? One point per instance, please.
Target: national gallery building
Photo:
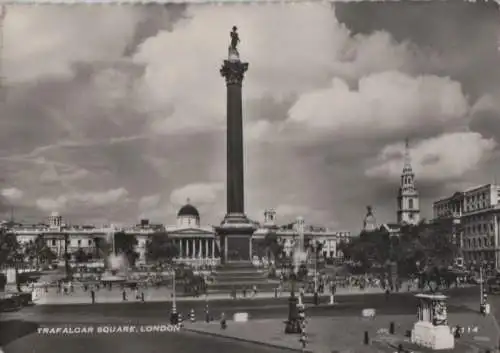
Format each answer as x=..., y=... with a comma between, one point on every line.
x=197, y=244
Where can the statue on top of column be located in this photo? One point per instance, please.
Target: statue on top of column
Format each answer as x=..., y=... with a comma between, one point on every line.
x=235, y=39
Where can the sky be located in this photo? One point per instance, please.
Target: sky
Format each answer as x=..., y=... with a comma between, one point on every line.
x=111, y=113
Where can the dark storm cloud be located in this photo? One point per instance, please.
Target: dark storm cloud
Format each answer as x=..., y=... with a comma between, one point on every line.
x=459, y=38
x=487, y=123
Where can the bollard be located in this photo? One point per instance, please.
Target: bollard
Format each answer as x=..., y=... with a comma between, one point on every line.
x=303, y=340
x=392, y=328
x=366, y=339
x=332, y=299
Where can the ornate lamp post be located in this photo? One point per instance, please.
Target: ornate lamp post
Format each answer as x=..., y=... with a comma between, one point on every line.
x=293, y=322
x=174, y=315
x=315, y=246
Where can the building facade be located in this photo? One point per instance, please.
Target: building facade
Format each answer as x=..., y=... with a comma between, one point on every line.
x=408, y=202
x=474, y=216
x=197, y=245
x=287, y=234
x=80, y=237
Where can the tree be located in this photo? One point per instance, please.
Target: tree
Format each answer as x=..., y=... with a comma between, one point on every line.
x=274, y=247
x=101, y=247
x=418, y=247
x=161, y=248
x=34, y=248
x=67, y=257
x=47, y=255
x=125, y=243
x=10, y=250
x=369, y=249
x=11, y=254
x=81, y=256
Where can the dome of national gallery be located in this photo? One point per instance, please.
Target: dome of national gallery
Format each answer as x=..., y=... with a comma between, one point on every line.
x=188, y=216
x=188, y=210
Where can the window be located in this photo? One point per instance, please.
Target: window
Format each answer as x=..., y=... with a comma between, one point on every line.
x=410, y=204
x=79, y=242
x=53, y=242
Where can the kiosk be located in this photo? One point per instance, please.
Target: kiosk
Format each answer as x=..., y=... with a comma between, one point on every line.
x=432, y=330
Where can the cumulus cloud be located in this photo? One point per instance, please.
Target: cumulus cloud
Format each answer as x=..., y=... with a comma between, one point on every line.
x=440, y=158
x=388, y=102
x=82, y=199
x=52, y=175
x=12, y=194
x=199, y=193
x=63, y=37
x=186, y=93
x=99, y=97
x=149, y=202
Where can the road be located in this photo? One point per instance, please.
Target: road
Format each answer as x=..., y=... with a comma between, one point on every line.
x=184, y=342
x=18, y=330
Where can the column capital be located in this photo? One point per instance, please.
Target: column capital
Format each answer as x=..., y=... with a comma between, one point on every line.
x=233, y=71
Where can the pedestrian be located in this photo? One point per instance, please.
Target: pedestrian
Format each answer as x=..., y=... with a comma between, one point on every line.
x=136, y=292
x=142, y=297
x=124, y=295
x=244, y=292
x=223, y=323
x=92, y=295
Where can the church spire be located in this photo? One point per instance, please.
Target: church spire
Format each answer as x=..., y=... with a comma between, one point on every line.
x=407, y=158
x=408, y=198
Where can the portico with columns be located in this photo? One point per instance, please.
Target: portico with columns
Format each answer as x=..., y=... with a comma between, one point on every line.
x=197, y=245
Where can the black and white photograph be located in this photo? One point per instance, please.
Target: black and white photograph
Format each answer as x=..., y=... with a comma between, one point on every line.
x=256, y=177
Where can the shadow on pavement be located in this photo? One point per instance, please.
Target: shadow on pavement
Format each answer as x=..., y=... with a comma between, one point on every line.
x=11, y=330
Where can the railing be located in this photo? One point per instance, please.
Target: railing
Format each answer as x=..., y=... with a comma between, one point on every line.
x=198, y=262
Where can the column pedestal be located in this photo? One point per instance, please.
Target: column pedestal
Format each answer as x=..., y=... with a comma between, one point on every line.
x=235, y=233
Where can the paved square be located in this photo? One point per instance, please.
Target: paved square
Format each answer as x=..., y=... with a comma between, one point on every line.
x=346, y=334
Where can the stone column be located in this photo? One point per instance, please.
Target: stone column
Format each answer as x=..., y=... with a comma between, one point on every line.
x=206, y=248
x=213, y=248
x=225, y=248
x=233, y=70
x=180, y=248
x=193, y=242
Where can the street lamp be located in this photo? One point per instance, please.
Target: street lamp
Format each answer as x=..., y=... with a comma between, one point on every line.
x=174, y=315
x=315, y=248
x=293, y=323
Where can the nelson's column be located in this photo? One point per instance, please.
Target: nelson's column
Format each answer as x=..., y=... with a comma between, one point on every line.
x=236, y=229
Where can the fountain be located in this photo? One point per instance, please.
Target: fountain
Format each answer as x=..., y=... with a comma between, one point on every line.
x=117, y=268
x=117, y=264
x=299, y=253
x=299, y=257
